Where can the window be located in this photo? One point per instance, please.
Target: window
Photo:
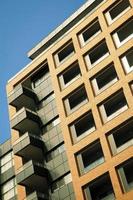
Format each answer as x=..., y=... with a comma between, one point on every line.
x=46, y=101
x=125, y=172
x=117, y=10
x=40, y=76
x=61, y=182
x=122, y=137
x=76, y=99
x=6, y=162
x=55, y=152
x=96, y=55
x=113, y=106
x=127, y=61
x=89, y=32
x=104, y=79
x=54, y=122
x=82, y=127
x=64, y=53
x=71, y=74
x=8, y=190
x=131, y=86
x=100, y=189
x=90, y=158
x=124, y=33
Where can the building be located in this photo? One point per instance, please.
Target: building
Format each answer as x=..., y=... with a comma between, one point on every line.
x=71, y=108
x=7, y=172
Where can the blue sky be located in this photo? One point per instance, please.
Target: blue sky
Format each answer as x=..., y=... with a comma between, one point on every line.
x=23, y=23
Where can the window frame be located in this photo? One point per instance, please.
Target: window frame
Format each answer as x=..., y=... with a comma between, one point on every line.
x=87, y=28
x=62, y=83
x=108, y=16
x=91, y=147
x=102, y=108
x=94, y=83
x=93, y=183
x=115, y=34
x=70, y=110
x=121, y=174
x=111, y=139
x=87, y=56
x=125, y=63
x=56, y=56
x=72, y=128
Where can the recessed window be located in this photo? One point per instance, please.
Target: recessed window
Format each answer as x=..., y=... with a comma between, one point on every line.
x=104, y=79
x=89, y=32
x=113, y=106
x=90, y=158
x=127, y=61
x=64, y=53
x=82, y=127
x=131, y=86
x=76, y=99
x=124, y=33
x=100, y=189
x=122, y=137
x=70, y=75
x=96, y=55
x=117, y=10
x=125, y=172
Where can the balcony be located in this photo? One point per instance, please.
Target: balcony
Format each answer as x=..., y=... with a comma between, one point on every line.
x=26, y=120
x=33, y=175
x=37, y=196
x=22, y=97
x=29, y=146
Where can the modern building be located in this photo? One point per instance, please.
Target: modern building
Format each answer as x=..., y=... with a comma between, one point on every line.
x=7, y=172
x=71, y=109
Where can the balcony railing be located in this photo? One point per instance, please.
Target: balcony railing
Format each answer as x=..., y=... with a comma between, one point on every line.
x=37, y=195
x=33, y=175
x=26, y=120
x=22, y=97
x=29, y=146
